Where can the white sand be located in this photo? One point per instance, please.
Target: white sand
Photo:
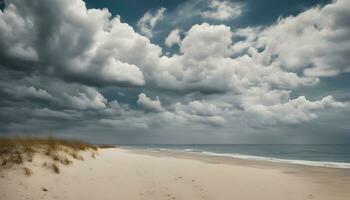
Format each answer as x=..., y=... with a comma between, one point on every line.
x=120, y=174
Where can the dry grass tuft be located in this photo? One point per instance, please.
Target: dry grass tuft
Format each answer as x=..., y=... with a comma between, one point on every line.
x=55, y=157
x=55, y=168
x=28, y=171
x=105, y=146
x=66, y=161
x=3, y=162
x=76, y=155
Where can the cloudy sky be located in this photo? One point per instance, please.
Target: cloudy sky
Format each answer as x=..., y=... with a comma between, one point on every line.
x=196, y=71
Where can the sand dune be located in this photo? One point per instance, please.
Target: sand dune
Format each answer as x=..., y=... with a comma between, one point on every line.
x=125, y=174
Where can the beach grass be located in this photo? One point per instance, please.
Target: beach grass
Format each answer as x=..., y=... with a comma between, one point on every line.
x=20, y=150
x=55, y=168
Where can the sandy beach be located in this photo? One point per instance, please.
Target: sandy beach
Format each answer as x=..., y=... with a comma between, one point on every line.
x=140, y=175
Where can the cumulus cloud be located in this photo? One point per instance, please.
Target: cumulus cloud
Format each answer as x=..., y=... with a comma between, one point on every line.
x=73, y=57
x=88, y=99
x=207, y=63
x=293, y=111
x=202, y=64
x=201, y=111
x=173, y=38
x=149, y=21
x=148, y=104
x=199, y=108
x=122, y=57
x=206, y=40
x=31, y=91
x=65, y=38
x=316, y=41
x=222, y=10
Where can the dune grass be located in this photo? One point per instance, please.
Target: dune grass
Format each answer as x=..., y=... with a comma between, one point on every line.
x=105, y=146
x=19, y=150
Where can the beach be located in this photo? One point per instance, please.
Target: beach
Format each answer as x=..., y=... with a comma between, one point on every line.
x=117, y=173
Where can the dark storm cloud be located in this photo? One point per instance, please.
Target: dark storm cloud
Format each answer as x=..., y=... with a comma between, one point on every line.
x=67, y=69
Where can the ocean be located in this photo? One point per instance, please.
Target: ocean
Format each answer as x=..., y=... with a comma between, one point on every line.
x=333, y=155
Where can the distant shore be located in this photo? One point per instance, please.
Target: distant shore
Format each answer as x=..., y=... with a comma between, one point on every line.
x=117, y=173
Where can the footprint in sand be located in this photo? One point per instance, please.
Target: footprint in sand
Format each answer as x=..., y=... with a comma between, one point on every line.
x=170, y=197
x=196, y=187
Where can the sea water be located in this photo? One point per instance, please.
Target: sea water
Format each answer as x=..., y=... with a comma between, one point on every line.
x=326, y=155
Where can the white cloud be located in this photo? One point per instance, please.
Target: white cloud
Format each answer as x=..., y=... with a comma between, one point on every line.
x=202, y=108
x=201, y=65
x=206, y=63
x=206, y=40
x=104, y=51
x=88, y=98
x=71, y=41
x=116, y=71
x=201, y=111
x=316, y=41
x=148, y=104
x=173, y=38
x=222, y=10
x=149, y=21
x=291, y=112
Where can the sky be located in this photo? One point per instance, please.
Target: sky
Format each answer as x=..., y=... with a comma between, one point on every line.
x=186, y=71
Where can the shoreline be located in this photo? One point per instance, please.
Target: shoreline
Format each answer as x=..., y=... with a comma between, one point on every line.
x=311, y=163
x=327, y=178
x=119, y=173
x=215, y=159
